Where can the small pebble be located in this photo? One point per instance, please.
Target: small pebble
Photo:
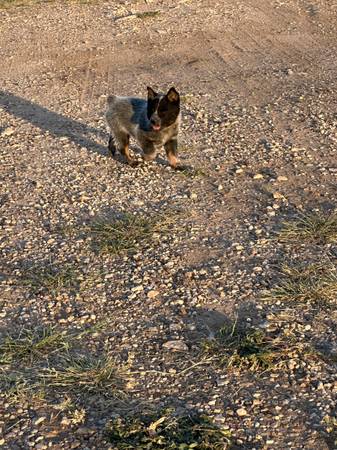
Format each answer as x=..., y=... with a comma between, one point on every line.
x=241, y=412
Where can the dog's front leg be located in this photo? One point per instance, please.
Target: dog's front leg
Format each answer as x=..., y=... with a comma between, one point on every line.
x=171, y=152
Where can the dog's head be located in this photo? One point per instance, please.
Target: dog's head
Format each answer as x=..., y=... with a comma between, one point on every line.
x=162, y=110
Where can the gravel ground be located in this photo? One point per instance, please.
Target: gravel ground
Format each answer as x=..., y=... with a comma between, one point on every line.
x=258, y=80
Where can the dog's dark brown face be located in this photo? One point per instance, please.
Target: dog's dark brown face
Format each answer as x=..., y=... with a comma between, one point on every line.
x=162, y=110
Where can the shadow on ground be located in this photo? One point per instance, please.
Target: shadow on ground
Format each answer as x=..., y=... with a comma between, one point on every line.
x=51, y=121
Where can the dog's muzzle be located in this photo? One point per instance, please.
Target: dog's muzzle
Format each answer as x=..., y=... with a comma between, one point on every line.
x=155, y=124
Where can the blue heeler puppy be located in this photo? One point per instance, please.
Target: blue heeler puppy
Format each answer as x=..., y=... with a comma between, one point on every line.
x=154, y=123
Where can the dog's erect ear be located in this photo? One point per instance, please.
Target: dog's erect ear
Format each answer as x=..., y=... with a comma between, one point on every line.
x=172, y=95
x=151, y=94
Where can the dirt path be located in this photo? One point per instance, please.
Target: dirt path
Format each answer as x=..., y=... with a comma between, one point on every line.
x=258, y=79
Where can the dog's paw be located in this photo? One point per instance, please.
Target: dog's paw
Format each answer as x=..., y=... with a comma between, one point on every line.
x=134, y=163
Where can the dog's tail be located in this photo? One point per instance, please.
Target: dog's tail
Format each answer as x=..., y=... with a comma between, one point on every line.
x=111, y=99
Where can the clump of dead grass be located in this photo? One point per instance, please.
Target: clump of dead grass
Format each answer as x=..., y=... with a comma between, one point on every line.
x=19, y=386
x=167, y=430
x=315, y=228
x=329, y=423
x=70, y=411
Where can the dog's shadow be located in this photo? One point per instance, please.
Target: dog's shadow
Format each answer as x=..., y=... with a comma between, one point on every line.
x=53, y=122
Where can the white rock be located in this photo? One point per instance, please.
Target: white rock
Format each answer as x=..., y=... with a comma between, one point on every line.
x=138, y=288
x=278, y=195
x=176, y=346
x=39, y=420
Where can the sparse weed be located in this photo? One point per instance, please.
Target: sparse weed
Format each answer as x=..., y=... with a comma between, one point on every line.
x=191, y=172
x=129, y=231
x=187, y=99
x=70, y=411
x=316, y=228
x=165, y=430
x=147, y=14
x=50, y=279
x=313, y=283
x=330, y=425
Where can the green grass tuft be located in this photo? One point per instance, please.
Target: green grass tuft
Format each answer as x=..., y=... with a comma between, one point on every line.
x=91, y=375
x=314, y=283
x=316, y=228
x=164, y=430
x=252, y=350
x=7, y=4
x=33, y=344
x=129, y=232
x=46, y=362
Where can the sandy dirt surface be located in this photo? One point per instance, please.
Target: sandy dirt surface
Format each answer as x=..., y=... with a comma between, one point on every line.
x=259, y=95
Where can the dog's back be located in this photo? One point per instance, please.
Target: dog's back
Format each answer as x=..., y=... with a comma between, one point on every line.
x=126, y=113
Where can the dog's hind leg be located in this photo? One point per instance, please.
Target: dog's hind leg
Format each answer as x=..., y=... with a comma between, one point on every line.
x=111, y=146
x=126, y=153
x=122, y=140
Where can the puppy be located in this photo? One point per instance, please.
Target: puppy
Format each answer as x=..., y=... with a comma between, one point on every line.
x=154, y=123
